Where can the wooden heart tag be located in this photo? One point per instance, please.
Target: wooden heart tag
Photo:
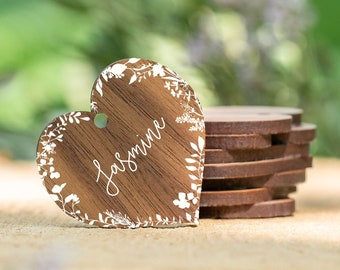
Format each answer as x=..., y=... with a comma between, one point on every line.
x=145, y=167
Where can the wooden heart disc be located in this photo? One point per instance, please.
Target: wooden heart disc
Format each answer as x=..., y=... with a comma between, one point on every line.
x=238, y=142
x=266, y=209
x=256, y=168
x=273, y=152
x=295, y=113
x=234, y=197
x=241, y=124
x=145, y=168
x=282, y=179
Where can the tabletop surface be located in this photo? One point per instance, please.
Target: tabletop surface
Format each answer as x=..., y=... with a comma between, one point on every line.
x=35, y=234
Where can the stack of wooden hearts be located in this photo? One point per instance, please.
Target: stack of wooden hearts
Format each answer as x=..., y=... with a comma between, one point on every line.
x=255, y=157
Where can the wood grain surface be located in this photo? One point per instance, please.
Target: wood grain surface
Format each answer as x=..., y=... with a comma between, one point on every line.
x=234, y=197
x=295, y=113
x=299, y=134
x=238, y=142
x=247, y=124
x=244, y=196
x=281, y=192
x=287, y=178
x=273, y=152
x=267, y=209
x=255, y=168
x=139, y=169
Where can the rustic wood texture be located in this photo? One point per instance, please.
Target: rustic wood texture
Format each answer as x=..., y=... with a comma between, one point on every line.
x=247, y=124
x=234, y=197
x=255, y=168
x=300, y=134
x=239, y=162
x=273, y=152
x=295, y=113
x=281, y=192
x=287, y=178
x=238, y=142
x=267, y=209
x=140, y=168
x=245, y=196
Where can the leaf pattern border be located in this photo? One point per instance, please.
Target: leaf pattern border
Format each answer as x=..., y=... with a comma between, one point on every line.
x=179, y=89
x=176, y=85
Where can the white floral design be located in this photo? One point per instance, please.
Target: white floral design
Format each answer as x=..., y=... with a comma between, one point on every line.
x=195, y=168
x=183, y=200
x=108, y=219
x=69, y=202
x=111, y=219
x=177, y=87
x=48, y=139
x=94, y=106
x=54, y=133
x=158, y=70
x=192, y=117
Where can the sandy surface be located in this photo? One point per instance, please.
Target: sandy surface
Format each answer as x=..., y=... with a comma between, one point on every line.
x=35, y=234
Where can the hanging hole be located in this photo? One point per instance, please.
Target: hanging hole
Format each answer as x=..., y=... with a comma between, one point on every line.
x=100, y=120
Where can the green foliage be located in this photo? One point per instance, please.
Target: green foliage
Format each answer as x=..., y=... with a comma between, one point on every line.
x=231, y=52
x=39, y=56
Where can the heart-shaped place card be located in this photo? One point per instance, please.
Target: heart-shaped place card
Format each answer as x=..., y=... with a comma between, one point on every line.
x=145, y=167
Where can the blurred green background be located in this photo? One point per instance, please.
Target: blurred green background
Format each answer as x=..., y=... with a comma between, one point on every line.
x=237, y=52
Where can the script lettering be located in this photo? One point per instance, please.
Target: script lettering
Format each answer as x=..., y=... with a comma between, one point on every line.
x=129, y=163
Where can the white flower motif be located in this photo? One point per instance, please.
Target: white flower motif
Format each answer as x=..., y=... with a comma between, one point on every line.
x=72, y=197
x=48, y=147
x=117, y=70
x=42, y=162
x=54, y=197
x=158, y=70
x=190, y=196
x=53, y=173
x=195, y=168
x=133, y=60
x=167, y=85
x=182, y=202
x=42, y=155
x=57, y=188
